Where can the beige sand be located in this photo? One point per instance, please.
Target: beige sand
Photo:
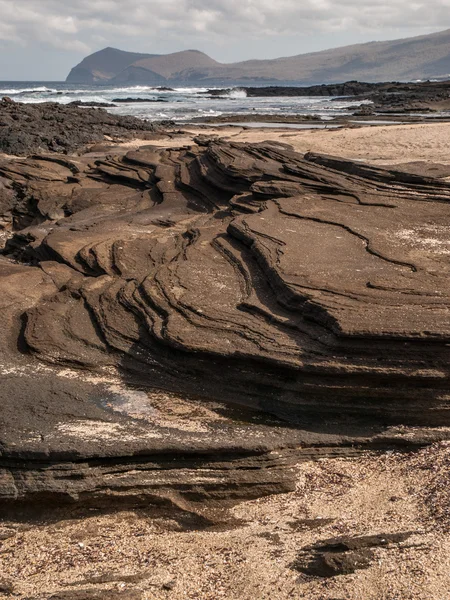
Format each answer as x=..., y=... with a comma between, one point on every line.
x=376, y=144
x=144, y=553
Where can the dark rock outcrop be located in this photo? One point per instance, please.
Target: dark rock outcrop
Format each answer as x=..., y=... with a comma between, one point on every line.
x=28, y=128
x=138, y=100
x=394, y=97
x=91, y=104
x=345, y=555
x=311, y=288
x=349, y=88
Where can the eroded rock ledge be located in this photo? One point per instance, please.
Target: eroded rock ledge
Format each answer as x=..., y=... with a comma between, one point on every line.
x=310, y=288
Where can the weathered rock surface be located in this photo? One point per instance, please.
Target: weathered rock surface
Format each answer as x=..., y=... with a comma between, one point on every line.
x=27, y=128
x=310, y=288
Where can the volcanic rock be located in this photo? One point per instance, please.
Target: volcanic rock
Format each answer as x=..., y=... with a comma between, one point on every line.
x=344, y=555
x=91, y=104
x=131, y=100
x=386, y=98
x=28, y=128
x=309, y=288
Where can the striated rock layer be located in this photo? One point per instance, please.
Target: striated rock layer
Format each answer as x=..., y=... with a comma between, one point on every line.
x=310, y=288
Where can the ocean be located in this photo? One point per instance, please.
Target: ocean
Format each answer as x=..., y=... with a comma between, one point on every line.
x=181, y=104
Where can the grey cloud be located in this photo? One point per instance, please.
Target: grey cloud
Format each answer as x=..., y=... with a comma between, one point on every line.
x=228, y=30
x=77, y=24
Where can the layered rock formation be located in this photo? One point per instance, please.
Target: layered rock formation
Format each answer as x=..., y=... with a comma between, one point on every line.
x=310, y=288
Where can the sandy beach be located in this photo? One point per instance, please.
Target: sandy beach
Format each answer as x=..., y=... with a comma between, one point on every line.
x=259, y=549
x=377, y=144
x=252, y=551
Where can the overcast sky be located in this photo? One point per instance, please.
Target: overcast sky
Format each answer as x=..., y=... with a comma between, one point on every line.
x=43, y=39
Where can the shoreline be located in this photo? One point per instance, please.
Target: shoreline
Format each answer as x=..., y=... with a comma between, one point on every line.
x=376, y=144
x=349, y=103
x=344, y=120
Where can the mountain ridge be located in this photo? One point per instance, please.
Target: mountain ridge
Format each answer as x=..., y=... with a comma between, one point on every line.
x=404, y=59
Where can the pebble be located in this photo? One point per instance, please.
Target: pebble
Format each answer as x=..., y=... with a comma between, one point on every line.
x=6, y=534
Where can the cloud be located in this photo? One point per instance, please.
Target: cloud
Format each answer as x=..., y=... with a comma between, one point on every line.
x=78, y=24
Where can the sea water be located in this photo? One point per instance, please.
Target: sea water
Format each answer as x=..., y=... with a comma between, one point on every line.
x=181, y=104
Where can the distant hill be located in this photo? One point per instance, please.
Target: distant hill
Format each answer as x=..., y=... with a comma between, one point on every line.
x=104, y=65
x=423, y=57
x=165, y=67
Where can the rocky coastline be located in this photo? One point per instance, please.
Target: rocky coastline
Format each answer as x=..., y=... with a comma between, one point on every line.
x=53, y=127
x=392, y=97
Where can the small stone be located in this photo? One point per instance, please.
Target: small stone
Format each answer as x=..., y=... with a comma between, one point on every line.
x=6, y=534
x=6, y=587
x=169, y=585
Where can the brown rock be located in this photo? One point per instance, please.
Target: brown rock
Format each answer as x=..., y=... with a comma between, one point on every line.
x=345, y=555
x=310, y=288
x=6, y=587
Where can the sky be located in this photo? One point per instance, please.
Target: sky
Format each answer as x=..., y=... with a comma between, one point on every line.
x=41, y=40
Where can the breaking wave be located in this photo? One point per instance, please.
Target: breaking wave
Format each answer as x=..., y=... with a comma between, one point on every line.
x=156, y=102
x=238, y=94
x=34, y=90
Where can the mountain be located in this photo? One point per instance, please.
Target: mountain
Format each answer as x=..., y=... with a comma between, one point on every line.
x=104, y=65
x=422, y=57
x=157, y=69
x=116, y=66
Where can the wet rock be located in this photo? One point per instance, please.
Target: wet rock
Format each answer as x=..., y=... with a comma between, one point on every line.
x=349, y=88
x=364, y=110
x=387, y=98
x=242, y=119
x=137, y=100
x=91, y=104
